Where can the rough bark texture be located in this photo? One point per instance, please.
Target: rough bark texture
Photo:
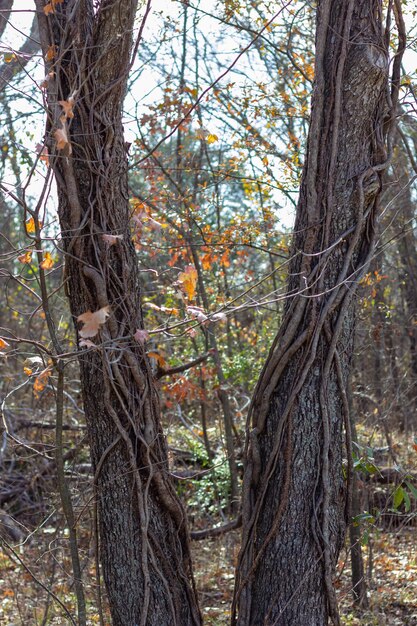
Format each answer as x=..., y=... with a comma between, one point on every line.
x=295, y=499
x=144, y=543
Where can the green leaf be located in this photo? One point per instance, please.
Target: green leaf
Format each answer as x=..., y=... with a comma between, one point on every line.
x=362, y=518
x=370, y=467
x=398, y=497
x=411, y=488
x=407, y=501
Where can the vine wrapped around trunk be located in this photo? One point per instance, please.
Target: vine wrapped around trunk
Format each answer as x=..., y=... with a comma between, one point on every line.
x=295, y=498
x=144, y=541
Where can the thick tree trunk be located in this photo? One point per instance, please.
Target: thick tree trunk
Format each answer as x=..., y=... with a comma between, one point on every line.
x=144, y=542
x=295, y=499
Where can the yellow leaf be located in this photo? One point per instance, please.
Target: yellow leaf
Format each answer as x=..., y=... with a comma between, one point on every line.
x=26, y=257
x=92, y=321
x=212, y=138
x=47, y=262
x=30, y=225
x=9, y=57
x=187, y=281
x=28, y=371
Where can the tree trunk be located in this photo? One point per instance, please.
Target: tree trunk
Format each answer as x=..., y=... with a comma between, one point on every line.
x=144, y=541
x=295, y=498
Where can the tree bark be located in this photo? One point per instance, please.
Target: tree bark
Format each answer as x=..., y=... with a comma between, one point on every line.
x=295, y=498
x=144, y=541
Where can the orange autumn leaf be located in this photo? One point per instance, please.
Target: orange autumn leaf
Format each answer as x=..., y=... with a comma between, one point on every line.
x=47, y=262
x=50, y=7
x=158, y=358
x=41, y=381
x=26, y=257
x=92, y=321
x=206, y=261
x=61, y=137
x=67, y=106
x=28, y=371
x=3, y=344
x=187, y=281
x=51, y=53
x=8, y=58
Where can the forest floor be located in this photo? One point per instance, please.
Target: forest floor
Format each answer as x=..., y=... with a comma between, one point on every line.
x=392, y=593
x=393, y=587
x=42, y=563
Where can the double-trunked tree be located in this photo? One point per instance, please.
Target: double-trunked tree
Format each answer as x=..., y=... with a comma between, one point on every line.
x=295, y=498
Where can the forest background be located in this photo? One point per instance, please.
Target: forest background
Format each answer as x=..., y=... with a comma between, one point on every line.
x=216, y=118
